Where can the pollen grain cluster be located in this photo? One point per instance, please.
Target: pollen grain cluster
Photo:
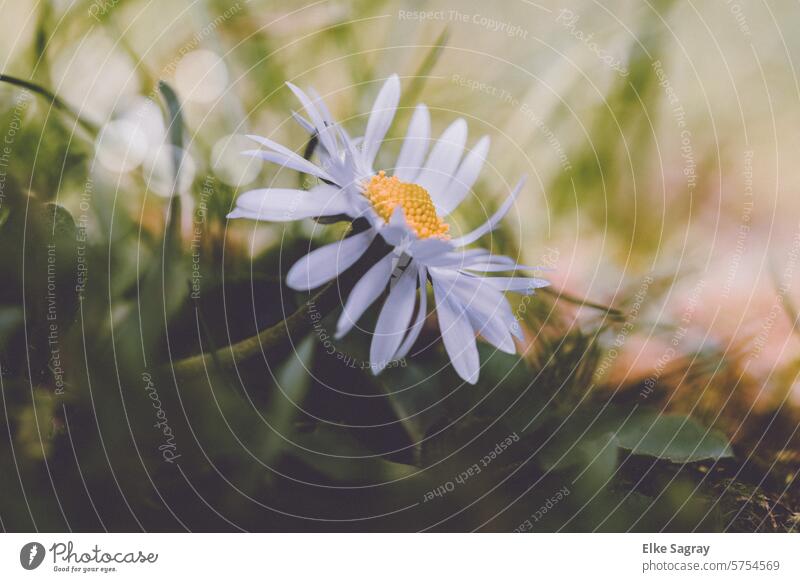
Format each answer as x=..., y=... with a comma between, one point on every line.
x=385, y=194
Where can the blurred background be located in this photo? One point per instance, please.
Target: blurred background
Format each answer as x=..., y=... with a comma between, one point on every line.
x=658, y=386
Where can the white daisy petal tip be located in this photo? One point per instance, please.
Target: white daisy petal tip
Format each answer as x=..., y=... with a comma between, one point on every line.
x=364, y=294
x=295, y=89
x=394, y=319
x=392, y=86
x=327, y=262
x=516, y=330
x=396, y=231
x=304, y=123
x=380, y=118
x=341, y=330
x=495, y=219
x=470, y=375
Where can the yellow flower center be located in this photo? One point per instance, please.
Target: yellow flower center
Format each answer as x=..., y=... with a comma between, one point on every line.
x=385, y=194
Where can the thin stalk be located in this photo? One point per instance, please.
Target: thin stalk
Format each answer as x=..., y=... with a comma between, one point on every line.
x=301, y=321
x=54, y=99
x=579, y=301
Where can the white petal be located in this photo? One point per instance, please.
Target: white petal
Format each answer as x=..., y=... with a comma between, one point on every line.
x=304, y=123
x=397, y=230
x=293, y=162
x=393, y=320
x=285, y=204
x=381, y=118
x=499, y=267
x=364, y=294
x=426, y=249
x=526, y=285
x=332, y=129
x=325, y=133
x=488, y=309
x=472, y=256
x=327, y=118
x=415, y=145
x=494, y=331
x=457, y=335
x=516, y=331
x=443, y=161
x=416, y=328
x=310, y=108
x=351, y=159
x=456, y=258
x=490, y=315
x=274, y=146
x=477, y=294
x=484, y=256
x=326, y=263
x=493, y=221
x=465, y=177
x=449, y=260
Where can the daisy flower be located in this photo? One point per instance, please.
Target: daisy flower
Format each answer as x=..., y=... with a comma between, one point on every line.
x=407, y=206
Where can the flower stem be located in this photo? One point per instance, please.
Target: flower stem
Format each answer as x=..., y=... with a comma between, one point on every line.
x=580, y=302
x=57, y=102
x=301, y=321
x=229, y=356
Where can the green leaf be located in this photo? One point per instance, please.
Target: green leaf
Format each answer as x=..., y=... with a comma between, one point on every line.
x=293, y=382
x=10, y=319
x=333, y=452
x=163, y=287
x=591, y=455
x=424, y=70
x=54, y=100
x=36, y=427
x=63, y=225
x=174, y=116
x=591, y=438
x=174, y=123
x=672, y=437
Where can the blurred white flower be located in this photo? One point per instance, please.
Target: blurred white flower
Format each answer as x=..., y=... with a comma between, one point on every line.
x=407, y=210
x=228, y=163
x=161, y=167
x=121, y=146
x=201, y=76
